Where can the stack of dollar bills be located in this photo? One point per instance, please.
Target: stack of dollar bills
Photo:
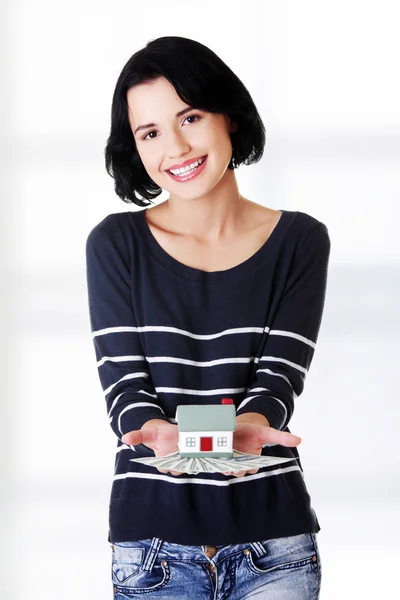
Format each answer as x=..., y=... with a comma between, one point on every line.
x=239, y=462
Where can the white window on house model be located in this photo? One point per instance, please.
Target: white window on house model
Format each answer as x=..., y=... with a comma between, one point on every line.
x=222, y=441
x=190, y=442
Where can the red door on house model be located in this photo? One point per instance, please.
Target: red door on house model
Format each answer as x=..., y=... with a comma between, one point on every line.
x=206, y=444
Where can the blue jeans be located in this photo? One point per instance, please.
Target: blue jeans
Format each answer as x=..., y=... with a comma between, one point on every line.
x=285, y=568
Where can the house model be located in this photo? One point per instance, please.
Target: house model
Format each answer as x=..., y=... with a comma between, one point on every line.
x=206, y=430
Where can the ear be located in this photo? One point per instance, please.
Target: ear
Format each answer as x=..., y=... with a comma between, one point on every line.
x=233, y=127
x=230, y=124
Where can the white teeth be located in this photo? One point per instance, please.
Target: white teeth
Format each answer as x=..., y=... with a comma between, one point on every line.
x=188, y=167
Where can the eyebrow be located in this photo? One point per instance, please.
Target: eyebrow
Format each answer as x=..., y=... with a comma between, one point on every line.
x=178, y=114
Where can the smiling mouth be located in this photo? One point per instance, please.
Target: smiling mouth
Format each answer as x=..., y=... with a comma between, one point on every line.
x=189, y=173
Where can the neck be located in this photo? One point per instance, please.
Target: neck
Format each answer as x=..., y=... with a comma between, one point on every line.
x=208, y=218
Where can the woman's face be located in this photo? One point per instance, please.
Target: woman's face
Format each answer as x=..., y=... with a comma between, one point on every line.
x=168, y=140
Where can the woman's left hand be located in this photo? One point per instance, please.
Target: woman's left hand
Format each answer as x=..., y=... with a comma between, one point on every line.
x=253, y=432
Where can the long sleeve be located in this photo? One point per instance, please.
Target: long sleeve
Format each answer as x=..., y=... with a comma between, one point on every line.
x=167, y=334
x=290, y=343
x=123, y=370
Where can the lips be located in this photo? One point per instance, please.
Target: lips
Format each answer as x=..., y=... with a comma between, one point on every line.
x=185, y=163
x=191, y=174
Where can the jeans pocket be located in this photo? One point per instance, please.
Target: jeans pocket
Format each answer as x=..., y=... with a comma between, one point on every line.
x=128, y=575
x=126, y=562
x=292, y=552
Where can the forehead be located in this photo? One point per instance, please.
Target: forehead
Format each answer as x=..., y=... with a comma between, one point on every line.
x=152, y=99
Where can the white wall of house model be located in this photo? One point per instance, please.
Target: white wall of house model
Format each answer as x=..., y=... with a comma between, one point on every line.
x=190, y=441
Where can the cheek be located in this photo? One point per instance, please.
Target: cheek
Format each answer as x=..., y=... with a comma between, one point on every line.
x=223, y=141
x=149, y=159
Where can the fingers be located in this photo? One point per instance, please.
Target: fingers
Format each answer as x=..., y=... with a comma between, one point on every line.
x=283, y=438
x=154, y=432
x=175, y=473
x=242, y=473
x=140, y=436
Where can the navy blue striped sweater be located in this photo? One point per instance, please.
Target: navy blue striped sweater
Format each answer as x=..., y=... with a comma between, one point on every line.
x=167, y=334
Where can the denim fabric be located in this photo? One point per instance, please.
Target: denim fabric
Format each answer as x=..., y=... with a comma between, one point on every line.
x=285, y=568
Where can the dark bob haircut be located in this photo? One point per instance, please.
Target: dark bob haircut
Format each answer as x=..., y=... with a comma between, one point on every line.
x=201, y=80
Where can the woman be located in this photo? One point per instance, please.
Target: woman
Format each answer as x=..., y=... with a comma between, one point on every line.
x=205, y=295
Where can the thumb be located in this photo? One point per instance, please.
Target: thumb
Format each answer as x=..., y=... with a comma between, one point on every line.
x=140, y=436
x=283, y=438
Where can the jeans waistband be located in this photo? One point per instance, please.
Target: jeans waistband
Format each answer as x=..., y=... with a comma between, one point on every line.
x=166, y=550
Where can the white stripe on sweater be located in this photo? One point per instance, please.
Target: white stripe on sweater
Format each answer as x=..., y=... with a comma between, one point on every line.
x=275, y=375
x=180, y=480
x=285, y=361
x=123, y=447
x=136, y=405
x=114, y=403
x=119, y=396
x=118, y=359
x=172, y=390
x=178, y=360
x=259, y=396
x=165, y=329
x=198, y=336
x=195, y=363
x=296, y=336
x=124, y=378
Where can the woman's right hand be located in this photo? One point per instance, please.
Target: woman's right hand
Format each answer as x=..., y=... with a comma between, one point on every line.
x=158, y=435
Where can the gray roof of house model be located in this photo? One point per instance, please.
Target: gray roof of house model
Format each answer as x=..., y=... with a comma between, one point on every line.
x=196, y=417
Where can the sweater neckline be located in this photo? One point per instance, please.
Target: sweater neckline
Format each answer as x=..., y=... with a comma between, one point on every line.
x=260, y=257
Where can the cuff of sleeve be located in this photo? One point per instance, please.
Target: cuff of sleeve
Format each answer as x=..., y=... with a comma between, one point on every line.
x=135, y=418
x=270, y=408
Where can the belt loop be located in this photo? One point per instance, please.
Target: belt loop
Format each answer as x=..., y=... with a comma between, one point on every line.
x=152, y=554
x=258, y=549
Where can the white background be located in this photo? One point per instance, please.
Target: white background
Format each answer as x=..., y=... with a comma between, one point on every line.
x=324, y=76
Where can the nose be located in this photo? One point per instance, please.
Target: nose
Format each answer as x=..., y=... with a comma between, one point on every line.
x=177, y=145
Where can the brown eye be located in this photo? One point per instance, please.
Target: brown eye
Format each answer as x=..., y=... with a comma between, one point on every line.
x=145, y=137
x=193, y=117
